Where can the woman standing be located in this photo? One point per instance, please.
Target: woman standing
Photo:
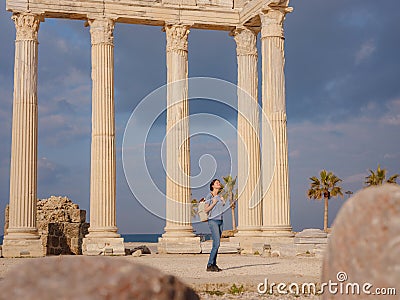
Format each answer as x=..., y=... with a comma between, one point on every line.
x=214, y=206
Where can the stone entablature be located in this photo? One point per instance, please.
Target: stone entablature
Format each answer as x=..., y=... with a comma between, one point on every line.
x=61, y=224
x=204, y=14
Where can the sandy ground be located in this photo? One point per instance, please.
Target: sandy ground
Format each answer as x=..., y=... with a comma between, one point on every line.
x=238, y=270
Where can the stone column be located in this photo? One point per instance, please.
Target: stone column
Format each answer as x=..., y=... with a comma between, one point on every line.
x=103, y=237
x=178, y=236
x=276, y=202
x=249, y=167
x=22, y=237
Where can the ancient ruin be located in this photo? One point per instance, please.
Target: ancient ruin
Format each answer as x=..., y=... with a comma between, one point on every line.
x=61, y=225
x=245, y=21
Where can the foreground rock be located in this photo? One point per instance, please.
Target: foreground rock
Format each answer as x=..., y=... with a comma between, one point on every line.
x=365, y=243
x=89, y=278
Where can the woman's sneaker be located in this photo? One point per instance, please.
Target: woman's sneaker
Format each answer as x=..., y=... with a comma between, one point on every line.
x=218, y=269
x=212, y=268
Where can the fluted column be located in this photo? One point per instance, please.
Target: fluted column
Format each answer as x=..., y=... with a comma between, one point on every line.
x=276, y=202
x=23, y=171
x=103, y=226
x=102, y=177
x=178, y=208
x=249, y=167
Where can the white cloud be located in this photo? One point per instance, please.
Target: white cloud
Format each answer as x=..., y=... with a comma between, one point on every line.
x=62, y=45
x=392, y=117
x=355, y=178
x=365, y=51
x=391, y=155
x=58, y=129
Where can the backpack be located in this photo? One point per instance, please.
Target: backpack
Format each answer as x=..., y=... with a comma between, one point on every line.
x=201, y=210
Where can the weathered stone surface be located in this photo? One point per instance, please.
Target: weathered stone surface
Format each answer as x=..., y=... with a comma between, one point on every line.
x=91, y=278
x=137, y=253
x=311, y=233
x=225, y=247
x=365, y=241
x=309, y=241
x=103, y=246
x=275, y=253
x=22, y=248
x=187, y=245
x=143, y=248
x=61, y=225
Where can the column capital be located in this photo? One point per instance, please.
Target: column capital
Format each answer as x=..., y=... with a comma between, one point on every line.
x=102, y=31
x=27, y=26
x=246, y=41
x=272, y=18
x=177, y=37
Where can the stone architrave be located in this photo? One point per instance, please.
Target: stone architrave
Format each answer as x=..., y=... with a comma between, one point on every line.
x=249, y=167
x=22, y=237
x=178, y=229
x=103, y=237
x=276, y=202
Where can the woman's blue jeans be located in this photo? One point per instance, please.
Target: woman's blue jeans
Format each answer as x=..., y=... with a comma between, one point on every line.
x=216, y=232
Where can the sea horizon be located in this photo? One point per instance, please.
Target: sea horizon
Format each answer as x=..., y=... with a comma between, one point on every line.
x=144, y=237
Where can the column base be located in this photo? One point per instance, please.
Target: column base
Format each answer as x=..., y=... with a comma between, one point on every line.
x=179, y=245
x=22, y=247
x=277, y=231
x=105, y=232
x=248, y=231
x=103, y=246
x=22, y=234
x=178, y=232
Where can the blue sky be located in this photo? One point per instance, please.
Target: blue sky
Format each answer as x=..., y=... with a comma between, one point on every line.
x=343, y=102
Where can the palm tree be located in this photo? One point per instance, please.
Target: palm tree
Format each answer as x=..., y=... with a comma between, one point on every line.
x=229, y=193
x=325, y=187
x=379, y=177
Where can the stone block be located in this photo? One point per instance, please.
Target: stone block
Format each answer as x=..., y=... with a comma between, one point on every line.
x=187, y=245
x=225, y=247
x=311, y=236
x=77, y=215
x=103, y=246
x=55, y=242
x=143, y=248
x=275, y=253
x=84, y=230
x=22, y=248
x=300, y=240
x=137, y=253
x=76, y=246
x=365, y=241
x=56, y=229
x=72, y=229
x=64, y=244
x=311, y=233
